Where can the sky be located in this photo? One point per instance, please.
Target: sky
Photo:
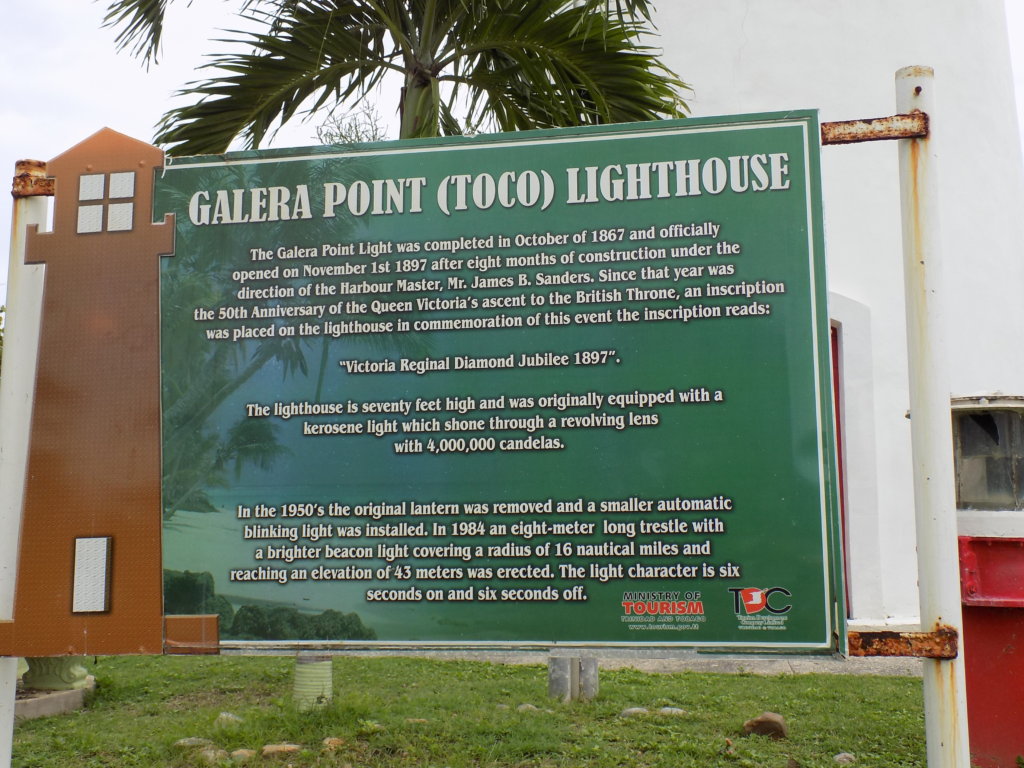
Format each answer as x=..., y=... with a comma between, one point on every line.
x=63, y=79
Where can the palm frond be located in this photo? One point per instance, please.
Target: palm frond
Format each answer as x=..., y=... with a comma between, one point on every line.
x=538, y=68
x=320, y=55
x=141, y=24
x=513, y=64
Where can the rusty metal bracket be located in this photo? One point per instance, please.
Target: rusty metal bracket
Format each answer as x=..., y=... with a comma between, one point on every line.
x=942, y=643
x=913, y=125
x=30, y=180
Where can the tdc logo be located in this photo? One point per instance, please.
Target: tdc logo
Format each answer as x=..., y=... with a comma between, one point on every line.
x=754, y=600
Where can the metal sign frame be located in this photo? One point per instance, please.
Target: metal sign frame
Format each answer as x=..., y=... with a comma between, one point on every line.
x=667, y=184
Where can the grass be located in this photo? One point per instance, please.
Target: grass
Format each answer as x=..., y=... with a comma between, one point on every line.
x=416, y=712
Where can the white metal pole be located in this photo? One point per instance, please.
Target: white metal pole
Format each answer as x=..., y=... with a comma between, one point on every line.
x=17, y=384
x=8, y=691
x=945, y=696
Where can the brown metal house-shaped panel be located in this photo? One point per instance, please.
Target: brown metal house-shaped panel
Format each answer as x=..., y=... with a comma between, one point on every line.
x=89, y=569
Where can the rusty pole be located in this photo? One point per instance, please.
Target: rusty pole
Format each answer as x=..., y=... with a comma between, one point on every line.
x=24, y=304
x=945, y=696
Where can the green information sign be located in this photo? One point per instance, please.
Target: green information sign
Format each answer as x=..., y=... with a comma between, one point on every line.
x=553, y=387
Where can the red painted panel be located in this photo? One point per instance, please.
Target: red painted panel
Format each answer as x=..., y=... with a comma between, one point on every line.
x=840, y=460
x=992, y=588
x=994, y=656
x=992, y=572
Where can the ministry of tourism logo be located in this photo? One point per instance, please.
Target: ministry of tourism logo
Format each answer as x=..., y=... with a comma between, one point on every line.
x=758, y=608
x=675, y=611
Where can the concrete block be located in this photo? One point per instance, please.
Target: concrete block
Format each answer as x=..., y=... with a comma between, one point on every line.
x=588, y=678
x=35, y=704
x=572, y=677
x=563, y=677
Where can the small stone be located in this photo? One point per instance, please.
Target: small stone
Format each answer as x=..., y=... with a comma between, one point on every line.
x=241, y=755
x=213, y=755
x=527, y=708
x=416, y=720
x=331, y=743
x=192, y=742
x=673, y=711
x=275, y=750
x=633, y=712
x=845, y=758
x=791, y=763
x=227, y=720
x=769, y=724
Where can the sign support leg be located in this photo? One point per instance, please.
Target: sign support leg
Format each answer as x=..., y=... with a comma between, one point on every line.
x=24, y=302
x=8, y=684
x=931, y=428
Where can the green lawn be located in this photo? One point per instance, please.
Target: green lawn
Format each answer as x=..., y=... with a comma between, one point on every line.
x=414, y=712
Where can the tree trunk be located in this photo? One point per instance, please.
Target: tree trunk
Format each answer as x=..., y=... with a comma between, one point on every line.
x=419, y=108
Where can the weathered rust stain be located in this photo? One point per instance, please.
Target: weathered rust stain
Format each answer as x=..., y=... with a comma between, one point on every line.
x=913, y=125
x=30, y=180
x=942, y=643
x=915, y=191
x=917, y=260
x=944, y=685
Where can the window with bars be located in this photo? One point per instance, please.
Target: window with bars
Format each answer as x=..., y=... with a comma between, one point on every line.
x=989, y=456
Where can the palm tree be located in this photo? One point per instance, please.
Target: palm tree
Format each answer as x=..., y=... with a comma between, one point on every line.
x=504, y=64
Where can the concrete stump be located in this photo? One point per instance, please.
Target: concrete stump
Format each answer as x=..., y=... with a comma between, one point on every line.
x=572, y=678
x=56, y=673
x=314, y=681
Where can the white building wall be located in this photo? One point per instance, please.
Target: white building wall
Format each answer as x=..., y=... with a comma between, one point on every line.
x=840, y=56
